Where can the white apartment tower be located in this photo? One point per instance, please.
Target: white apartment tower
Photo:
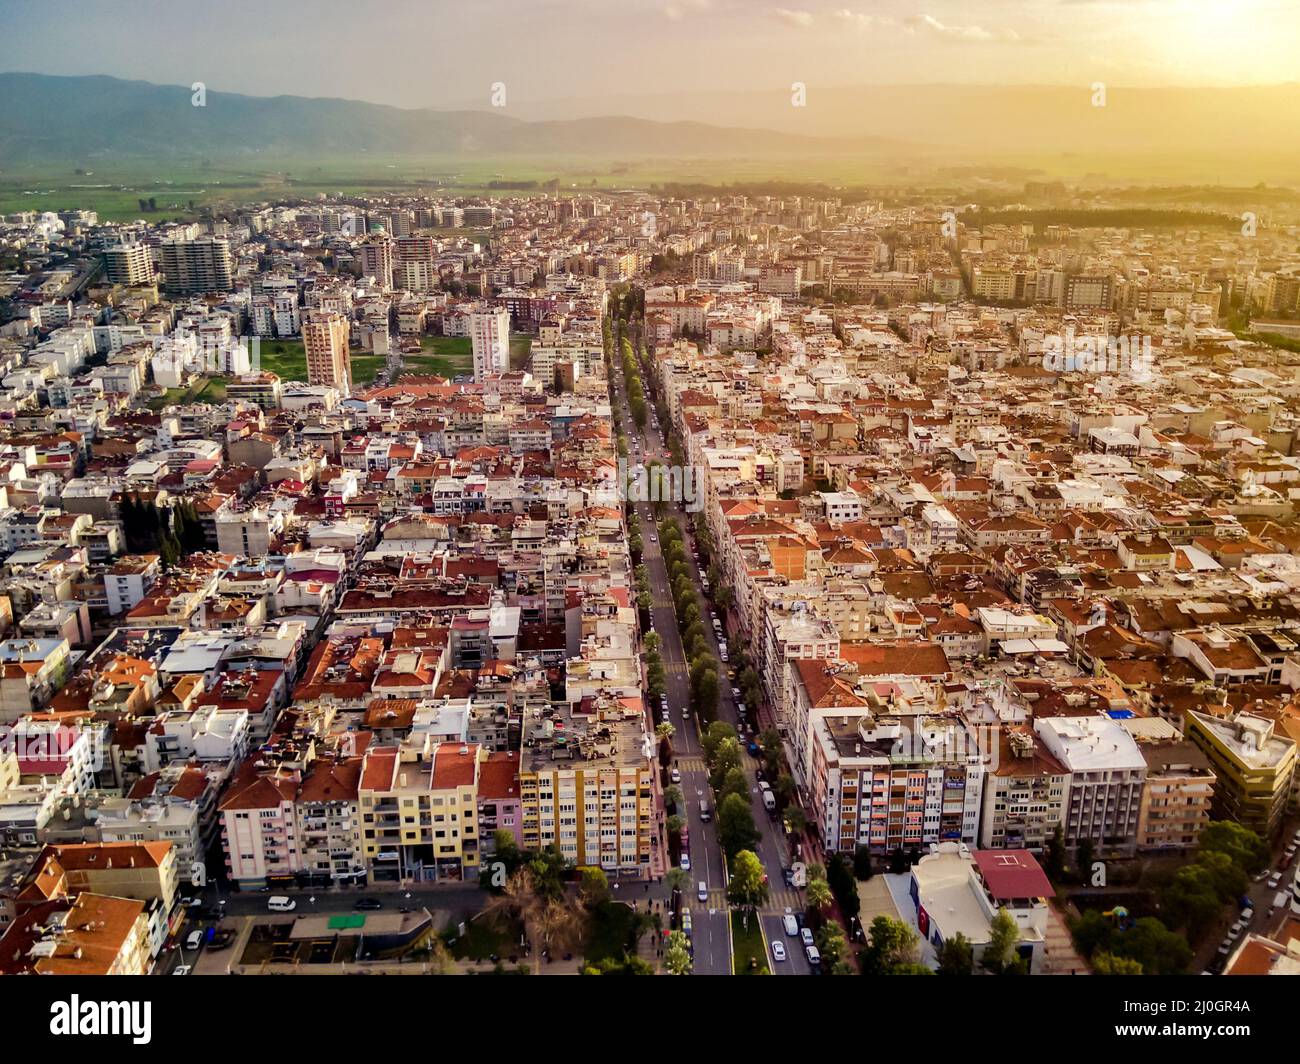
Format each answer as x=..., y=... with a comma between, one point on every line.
x=489, y=330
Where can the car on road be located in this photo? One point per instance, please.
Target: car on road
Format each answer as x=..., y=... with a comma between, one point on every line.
x=790, y=925
x=778, y=951
x=675, y=775
x=814, y=958
x=686, y=862
x=735, y=693
x=278, y=903
x=182, y=969
x=703, y=892
x=191, y=903
x=806, y=936
x=221, y=939
x=665, y=716
x=787, y=873
x=194, y=940
x=705, y=813
x=367, y=905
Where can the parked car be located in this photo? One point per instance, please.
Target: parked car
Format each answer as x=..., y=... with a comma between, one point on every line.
x=814, y=958
x=778, y=950
x=686, y=862
x=367, y=905
x=194, y=940
x=675, y=775
x=182, y=969
x=790, y=925
x=806, y=936
x=221, y=939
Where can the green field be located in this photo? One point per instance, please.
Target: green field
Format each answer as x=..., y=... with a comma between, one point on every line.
x=287, y=359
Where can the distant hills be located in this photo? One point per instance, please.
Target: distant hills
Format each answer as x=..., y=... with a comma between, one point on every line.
x=61, y=120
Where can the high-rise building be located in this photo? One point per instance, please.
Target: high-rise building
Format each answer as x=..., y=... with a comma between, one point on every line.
x=200, y=265
x=376, y=257
x=128, y=264
x=489, y=330
x=325, y=337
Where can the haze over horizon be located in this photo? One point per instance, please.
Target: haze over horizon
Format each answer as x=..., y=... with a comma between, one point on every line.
x=437, y=55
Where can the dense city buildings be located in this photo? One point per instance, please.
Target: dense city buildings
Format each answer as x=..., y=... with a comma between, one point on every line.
x=353, y=547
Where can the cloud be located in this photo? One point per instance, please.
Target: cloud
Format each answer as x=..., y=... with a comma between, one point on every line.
x=930, y=24
x=799, y=19
x=680, y=9
x=863, y=21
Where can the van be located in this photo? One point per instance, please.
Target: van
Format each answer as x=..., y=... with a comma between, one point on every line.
x=280, y=904
x=705, y=815
x=195, y=939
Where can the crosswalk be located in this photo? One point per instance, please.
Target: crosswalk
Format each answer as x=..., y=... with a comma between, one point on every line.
x=778, y=900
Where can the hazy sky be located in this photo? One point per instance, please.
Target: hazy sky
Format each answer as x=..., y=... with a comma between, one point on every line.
x=415, y=53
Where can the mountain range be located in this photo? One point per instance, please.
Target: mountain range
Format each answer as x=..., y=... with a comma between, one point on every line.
x=45, y=118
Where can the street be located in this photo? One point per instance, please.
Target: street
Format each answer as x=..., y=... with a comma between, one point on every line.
x=710, y=921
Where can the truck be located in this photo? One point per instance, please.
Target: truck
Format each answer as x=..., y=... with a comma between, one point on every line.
x=769, y=799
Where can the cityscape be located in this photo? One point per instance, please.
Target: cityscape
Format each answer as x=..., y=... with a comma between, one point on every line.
x=511, y=537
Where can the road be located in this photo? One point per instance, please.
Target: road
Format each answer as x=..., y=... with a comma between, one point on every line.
x=710, y=920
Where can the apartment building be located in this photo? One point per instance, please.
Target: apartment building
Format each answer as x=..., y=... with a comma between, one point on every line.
x=419, y=811
x=1025, y=794
x=891, y=783
x=588, y=784
x=128, y=264
x=1254, y=766
x=196, y=266
x=489, y=330
x=325, y=338
x=1107, y=776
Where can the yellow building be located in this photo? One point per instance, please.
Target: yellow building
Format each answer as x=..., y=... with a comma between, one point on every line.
x=1254, y=766
x=586, y=783
x=419, y=811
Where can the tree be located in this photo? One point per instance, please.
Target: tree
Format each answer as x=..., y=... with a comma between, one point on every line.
x=736, y=831
x=1004, y=936
x=676, y=879
x=831, y=943
x=677, y=955
x=1056, y=855
x=956, y=956
x=862, y=862
x=593, y=887
x=891, y=946
x=748, y=887
x=818, y=895
x=1083, y=859
x=1245, y=847
x=843, y=885
x=1109, y=964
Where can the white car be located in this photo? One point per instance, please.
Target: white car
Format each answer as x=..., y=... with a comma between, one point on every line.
x=790, y=924
x=675, y=775
x=182, y=969
x=806, y=936
x=703, y=892
x=686, y=862
x=664, y=716
x=778, y=951
x=1275, y=881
